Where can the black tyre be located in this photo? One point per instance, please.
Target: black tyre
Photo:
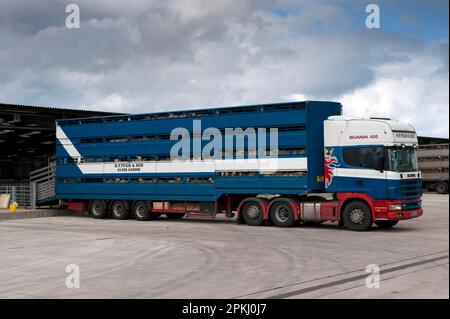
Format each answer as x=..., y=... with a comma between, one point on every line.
x=97, y=209
x=174, y=215
x=119, y=209
x=441, y=188
x=282, y=214
x=357, y=216
x=386, y=223
x=141, y=211
x=252, y=213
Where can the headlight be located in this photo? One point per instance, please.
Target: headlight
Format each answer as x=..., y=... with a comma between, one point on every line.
x=395, y=207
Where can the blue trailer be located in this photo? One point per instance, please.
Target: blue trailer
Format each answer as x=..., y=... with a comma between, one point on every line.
x=262, y=162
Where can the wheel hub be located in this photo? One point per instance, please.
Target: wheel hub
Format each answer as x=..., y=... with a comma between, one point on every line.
x=98, y=209
x=253, y=212
x=282, y=213
x=357, y=216
x=140, y=211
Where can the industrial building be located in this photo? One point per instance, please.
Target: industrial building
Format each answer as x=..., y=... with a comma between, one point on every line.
x=27, y=143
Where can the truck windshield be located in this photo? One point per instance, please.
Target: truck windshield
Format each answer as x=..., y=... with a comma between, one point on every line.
x=402, y=160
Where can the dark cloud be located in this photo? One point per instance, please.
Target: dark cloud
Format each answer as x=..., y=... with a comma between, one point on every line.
x=143, y=56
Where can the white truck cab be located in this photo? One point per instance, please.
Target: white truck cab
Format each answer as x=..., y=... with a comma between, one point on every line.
x=374, y=159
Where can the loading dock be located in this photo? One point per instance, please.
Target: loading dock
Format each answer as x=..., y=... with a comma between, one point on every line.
x=27, y=148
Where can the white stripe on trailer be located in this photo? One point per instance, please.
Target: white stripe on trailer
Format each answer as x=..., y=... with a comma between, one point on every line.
x=66, y=143
x=263, y=165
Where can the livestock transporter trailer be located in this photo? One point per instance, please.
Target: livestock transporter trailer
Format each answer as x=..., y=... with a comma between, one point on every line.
x=265, y=163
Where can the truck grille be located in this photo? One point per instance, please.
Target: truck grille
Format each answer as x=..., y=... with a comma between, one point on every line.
x=410, y=188
x=412, y=205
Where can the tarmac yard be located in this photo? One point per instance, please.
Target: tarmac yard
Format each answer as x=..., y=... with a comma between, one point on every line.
x=194, y=258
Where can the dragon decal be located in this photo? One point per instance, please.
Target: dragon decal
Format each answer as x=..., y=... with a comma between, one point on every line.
x=331, y=162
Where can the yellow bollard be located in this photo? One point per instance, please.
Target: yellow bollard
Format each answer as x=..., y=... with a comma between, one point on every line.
x=13, y=207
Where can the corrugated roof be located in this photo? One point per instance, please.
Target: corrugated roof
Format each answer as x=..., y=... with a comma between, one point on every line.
x=432, y=140
x=54, y=109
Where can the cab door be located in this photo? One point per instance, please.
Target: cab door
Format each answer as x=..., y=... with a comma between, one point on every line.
x=372, y=176
x=366, y=166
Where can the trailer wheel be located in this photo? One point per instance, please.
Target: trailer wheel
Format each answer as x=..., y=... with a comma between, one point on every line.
x=141, y=211
x=174, y=215
x=97, y=209
x=441, y=188
x=357, y=216
x=119, y=209
x=252, y=212
x=386, y=223
x=282, y=214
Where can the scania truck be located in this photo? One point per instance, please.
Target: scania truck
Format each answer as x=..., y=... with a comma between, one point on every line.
x=273, y=164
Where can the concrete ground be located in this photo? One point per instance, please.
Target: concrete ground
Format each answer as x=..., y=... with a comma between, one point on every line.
x=32, y=213
x=193, y=258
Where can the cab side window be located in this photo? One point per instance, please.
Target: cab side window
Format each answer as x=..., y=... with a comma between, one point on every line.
x=364, y=157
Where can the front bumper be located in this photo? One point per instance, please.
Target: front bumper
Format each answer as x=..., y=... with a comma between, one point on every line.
x=401, y=215
x=383, y=212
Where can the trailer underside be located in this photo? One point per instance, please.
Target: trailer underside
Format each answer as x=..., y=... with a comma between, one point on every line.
x=355, y=211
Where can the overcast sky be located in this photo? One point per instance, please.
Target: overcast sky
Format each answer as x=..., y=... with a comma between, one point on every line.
x=144, y=56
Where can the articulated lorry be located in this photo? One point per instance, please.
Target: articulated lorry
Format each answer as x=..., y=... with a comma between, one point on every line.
x=263, y=164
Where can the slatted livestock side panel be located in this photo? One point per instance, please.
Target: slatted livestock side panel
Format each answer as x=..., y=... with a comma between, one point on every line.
x=128, y=157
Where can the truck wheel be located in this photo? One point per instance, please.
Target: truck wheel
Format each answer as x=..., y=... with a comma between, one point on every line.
x=119, y=209
x=174, y=215
x=141, y=211
x=252, y=212
x=442, y=188
x=282, y=214
x=386, y=223
x=97, y=209
x=357, y=216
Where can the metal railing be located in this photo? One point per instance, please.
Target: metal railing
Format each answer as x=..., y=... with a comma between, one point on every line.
x=40, y=189
x=20, y=193
x=43, y=180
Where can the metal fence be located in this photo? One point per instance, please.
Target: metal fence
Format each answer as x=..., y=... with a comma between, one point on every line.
x=44, y=181
x=20, y=193
x=41, y=188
